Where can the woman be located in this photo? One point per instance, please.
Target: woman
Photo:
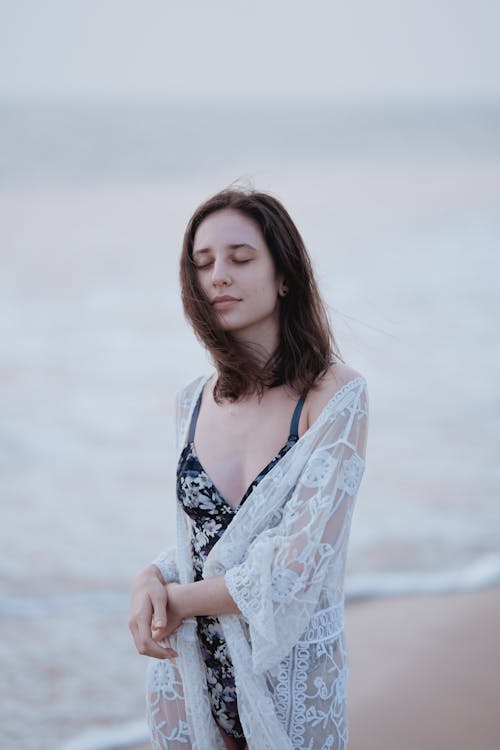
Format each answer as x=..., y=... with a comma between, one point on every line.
x=244, y=619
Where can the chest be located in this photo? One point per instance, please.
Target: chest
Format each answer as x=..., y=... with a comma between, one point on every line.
x=234, y=445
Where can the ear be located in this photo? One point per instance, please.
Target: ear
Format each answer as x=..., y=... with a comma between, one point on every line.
x=282, y=285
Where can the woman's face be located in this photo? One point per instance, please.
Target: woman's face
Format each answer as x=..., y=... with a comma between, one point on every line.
x=232, y=259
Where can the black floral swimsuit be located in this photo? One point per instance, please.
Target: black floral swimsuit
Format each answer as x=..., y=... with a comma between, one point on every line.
x=211, y=515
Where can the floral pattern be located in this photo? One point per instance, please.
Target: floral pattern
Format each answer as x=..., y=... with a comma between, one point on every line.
x=211, y=516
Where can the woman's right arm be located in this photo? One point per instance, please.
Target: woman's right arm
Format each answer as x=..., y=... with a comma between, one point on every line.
x=148, y=613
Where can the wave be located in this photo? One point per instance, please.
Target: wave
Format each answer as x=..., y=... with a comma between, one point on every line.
x=478, y=574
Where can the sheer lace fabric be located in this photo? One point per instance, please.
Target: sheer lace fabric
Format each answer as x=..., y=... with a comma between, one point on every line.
x=283, y=557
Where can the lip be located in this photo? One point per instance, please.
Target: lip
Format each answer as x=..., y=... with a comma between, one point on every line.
x=224, y=301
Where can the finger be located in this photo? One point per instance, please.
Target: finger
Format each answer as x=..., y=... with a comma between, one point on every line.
x=166, y=644
x=166, y=653
x=140, y=616
x=143, y=627
x=143, y=639
x=158, y=634
x=148, y=647
x=159, y=603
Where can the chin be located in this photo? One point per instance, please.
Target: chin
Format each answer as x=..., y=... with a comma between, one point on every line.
x=234, y=321
x=230, y=327
x=227, y=324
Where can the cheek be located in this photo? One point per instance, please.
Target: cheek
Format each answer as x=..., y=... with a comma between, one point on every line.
x=202, y=282
x=267, y=291
x=264, y=283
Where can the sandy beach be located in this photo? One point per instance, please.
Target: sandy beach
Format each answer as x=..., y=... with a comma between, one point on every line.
x=424, y=672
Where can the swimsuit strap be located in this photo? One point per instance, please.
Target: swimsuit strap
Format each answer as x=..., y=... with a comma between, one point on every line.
x=294, y=424
x=192, y=426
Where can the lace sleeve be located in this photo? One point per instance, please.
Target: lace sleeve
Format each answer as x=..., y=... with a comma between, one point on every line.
x=166, y=563
x=166, y=560
x=287, y=568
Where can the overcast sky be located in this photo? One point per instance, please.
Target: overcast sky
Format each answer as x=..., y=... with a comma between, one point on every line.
x=364, y=49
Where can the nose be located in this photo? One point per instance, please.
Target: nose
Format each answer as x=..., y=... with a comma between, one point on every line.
x=220, y=273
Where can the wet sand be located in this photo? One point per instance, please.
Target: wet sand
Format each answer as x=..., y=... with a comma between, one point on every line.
x=425, y=672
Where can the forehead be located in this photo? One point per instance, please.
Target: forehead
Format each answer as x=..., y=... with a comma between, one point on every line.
x=227, y=226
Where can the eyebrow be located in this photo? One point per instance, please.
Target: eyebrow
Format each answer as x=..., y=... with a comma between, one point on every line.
x=233, y=246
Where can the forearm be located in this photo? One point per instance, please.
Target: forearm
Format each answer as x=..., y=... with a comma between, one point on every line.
x=207, y=597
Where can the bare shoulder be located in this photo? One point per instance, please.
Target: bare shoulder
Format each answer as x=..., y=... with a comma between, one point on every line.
x=336, y=376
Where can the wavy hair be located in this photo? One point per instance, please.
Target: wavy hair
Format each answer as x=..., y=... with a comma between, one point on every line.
x=306, y=347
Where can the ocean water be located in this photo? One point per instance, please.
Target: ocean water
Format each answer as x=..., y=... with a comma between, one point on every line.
x=399, y=211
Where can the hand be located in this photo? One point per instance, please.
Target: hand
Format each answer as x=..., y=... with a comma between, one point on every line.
x=175, y=614
x=148, y=614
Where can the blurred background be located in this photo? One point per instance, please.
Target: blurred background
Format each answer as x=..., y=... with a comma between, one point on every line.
x=378, y=127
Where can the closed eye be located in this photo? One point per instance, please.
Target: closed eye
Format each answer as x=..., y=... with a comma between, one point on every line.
x=235, y=260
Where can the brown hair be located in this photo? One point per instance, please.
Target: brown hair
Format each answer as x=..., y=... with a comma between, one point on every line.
x=306, y=345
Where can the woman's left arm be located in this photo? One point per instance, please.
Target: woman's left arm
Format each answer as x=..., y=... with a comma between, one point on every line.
x=291, y=566
x=207, y=597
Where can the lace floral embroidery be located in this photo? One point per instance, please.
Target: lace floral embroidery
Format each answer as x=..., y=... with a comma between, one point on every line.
x=283, y=557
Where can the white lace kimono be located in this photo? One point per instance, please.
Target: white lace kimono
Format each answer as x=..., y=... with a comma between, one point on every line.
x=283, y=556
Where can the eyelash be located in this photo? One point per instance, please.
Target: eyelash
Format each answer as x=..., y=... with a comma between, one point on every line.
x=206, y=265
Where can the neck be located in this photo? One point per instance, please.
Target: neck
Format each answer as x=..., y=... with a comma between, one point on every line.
x=262, y=340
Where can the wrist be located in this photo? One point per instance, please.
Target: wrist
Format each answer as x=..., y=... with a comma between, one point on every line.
x=151, y=571
x=179, y=598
